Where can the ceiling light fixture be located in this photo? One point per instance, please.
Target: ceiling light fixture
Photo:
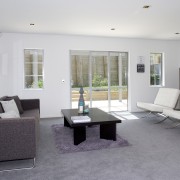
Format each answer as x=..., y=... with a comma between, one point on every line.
x=177, y=33
x=146, y=6
x=113, y=29
x=32, y=24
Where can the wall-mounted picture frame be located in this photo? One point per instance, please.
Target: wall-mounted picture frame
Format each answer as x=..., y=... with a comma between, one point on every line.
x=140, y=68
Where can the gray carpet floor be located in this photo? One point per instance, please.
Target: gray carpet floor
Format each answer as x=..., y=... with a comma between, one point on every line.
x=154, y=155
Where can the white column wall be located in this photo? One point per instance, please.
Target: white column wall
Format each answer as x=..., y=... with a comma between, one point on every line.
x=6, y=66
x=56, y=95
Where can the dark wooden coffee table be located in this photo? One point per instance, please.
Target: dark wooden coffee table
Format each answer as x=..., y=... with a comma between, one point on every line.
x=106, y=121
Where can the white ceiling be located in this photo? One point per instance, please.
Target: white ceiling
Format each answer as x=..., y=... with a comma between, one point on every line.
x=93, y=17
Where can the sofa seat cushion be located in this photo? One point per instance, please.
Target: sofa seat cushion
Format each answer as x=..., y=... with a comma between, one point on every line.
x=151, y=107
x=172, y=113
x=31, y=113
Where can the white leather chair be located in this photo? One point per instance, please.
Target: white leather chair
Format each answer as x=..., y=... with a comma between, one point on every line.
x=173, y=114
x=166, y=98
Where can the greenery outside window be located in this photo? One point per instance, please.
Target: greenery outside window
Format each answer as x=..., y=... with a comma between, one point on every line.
x=33, y=69
x=156, y=70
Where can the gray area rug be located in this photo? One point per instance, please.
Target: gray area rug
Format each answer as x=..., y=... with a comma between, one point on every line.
x=64, y=140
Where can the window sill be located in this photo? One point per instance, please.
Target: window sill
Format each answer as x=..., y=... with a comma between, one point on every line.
x=31, y=89
x=158, y=86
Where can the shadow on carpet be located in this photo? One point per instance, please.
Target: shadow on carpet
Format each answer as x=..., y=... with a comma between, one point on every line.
x=64, y=140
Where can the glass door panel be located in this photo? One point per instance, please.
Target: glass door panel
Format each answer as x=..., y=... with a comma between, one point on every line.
x=118, y=81
x=124, y=77
x=79, y=77
x=99, y=69
x=115, y=91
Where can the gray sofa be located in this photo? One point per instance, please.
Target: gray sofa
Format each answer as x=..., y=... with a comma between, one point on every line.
x=19, y=136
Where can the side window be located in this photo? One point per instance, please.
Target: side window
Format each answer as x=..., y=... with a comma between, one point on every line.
x=33, y=69
x=156, y=69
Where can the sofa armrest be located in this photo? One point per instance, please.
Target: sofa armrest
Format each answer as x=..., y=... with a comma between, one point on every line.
x=17, y=138
x=28, y=104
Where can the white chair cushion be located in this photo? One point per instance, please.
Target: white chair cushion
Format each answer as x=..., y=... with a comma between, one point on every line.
x=151, y=107
x=167, y=97
x=172, y=113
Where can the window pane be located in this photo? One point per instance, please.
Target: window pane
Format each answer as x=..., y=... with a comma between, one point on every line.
x=28, y=69
x=33, y=68
x=40, y=69
x=28, y=81
x=33, y=55
x=34, y=82
x=156, y=69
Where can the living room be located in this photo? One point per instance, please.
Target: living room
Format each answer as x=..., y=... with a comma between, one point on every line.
x=57, y=89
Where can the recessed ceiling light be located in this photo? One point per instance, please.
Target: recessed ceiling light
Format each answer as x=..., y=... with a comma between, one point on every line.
x=32, y=24
x=177, y=33
x=112, y=29
x=146, y=6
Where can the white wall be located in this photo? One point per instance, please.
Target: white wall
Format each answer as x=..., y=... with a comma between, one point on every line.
x=5, y=66
x=56, y=95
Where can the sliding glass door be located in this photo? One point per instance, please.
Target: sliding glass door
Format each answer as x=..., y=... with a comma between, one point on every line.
x=103, y=76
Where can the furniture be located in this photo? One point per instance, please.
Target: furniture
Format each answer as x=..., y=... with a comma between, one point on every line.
x=166, y=98
x=19, y=136
x=173, y=114
x=106, y=121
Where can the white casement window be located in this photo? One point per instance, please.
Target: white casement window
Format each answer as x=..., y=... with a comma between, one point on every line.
x=156, y=69
x=33, y=69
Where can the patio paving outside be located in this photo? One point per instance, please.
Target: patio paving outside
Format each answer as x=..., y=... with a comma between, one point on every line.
x=116, y=105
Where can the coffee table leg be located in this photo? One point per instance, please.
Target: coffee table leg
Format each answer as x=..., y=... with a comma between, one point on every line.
x=66, y=123
x=79, y=135
x=108, y=131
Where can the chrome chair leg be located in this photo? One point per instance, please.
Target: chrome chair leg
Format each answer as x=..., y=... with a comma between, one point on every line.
x=161, y=120
x=155, y=114
x=173, y=126
x=147, y=115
